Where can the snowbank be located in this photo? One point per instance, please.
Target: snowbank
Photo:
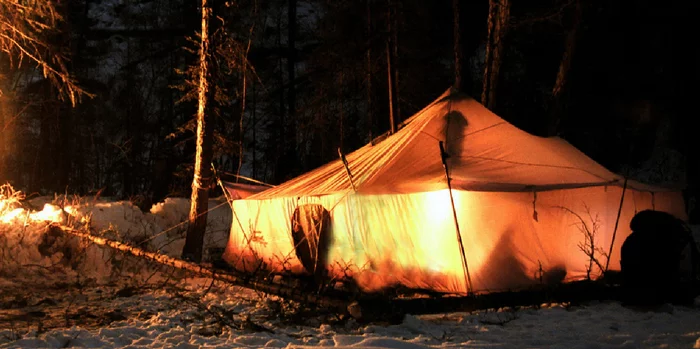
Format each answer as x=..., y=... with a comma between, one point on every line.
x=25, y=246
x=59, y=309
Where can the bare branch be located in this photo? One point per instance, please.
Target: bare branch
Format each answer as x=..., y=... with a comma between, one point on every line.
x=26, y=32
x=589, y=245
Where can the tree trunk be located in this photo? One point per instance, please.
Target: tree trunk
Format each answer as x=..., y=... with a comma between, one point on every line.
x=163, y=164
x=130, y=128
x=457, y=45
x=194, y=241
x=490, y=23
x=65, y=149
x=499, y=13
x=341, y=112
x=368, y=78
x=291, y=62
x=291, y=154
x=241, y=131
x=560, y=84
x=42, y=164
x=395, y=58
x=390, y=83
x=255, y=127
x=4, y=130
x=389, y=70
x=281, y=167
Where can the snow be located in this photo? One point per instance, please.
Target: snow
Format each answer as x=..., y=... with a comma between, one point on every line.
x=99, y=299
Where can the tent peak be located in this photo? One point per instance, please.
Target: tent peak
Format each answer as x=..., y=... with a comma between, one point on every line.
x=455, y=94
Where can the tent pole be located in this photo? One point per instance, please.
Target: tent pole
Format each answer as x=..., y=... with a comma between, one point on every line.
x=221, y=184
x=347, y=169
x=617, y=222
x=467, y=276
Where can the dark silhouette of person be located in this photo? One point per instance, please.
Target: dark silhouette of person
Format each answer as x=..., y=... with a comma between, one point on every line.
x=651, y=258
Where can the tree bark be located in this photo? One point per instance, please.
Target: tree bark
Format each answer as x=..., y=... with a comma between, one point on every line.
x=560, y=84
x=194, y=241
x=499, y=13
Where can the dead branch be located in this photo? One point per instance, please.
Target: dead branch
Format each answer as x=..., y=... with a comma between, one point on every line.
x=271, y=288
x=26, y=32
x=589, y=244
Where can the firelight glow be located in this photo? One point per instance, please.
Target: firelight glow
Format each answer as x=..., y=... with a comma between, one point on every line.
x=10, y=215
x=50, y=213
x=11, y=212
x=439, y=215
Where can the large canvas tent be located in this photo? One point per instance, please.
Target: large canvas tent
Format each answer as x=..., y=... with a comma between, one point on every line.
x=529, y=209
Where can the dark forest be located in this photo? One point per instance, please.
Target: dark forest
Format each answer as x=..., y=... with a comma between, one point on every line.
x=297, y=79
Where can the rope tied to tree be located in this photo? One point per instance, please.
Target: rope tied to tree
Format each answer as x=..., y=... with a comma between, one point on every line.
x=200, y=182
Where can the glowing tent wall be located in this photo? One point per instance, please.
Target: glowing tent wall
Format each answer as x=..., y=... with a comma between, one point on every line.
x=410, y=239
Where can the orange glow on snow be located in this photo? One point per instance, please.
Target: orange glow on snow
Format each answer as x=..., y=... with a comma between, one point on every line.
x=11, y=215
x=12, y=212
x=50, y=213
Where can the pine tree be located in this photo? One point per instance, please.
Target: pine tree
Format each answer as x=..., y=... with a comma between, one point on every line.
x=194, y=241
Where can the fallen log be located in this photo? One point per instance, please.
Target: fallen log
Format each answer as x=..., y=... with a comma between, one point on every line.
x=284, y=291
x=572, y=293
x=383, y=307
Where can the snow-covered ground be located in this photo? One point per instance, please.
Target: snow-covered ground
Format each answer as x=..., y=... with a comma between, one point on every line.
x=230, y=317
x=60, y=292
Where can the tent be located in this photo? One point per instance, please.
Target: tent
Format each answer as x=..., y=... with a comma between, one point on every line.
x=237, y=191
x=527, y=209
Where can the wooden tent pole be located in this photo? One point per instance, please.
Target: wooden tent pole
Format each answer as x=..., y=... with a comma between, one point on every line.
x=468, y=278
x=347, y=168
x=617, y=222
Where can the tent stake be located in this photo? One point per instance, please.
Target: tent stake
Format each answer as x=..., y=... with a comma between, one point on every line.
x=617, y=221
x=467, y=276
